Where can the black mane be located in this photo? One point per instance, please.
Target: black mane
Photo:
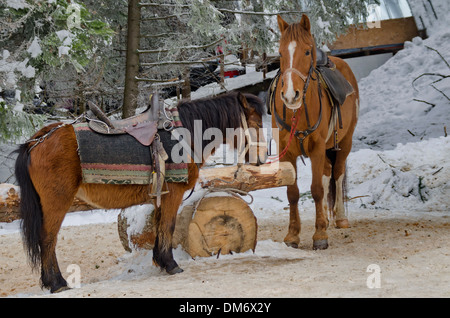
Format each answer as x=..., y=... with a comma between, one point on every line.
x=223, y=111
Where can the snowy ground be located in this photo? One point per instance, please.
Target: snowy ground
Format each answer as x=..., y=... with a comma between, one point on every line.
x=399, y=186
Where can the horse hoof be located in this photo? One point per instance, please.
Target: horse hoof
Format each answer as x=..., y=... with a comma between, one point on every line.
x=320, y=244
x=291, y=244
x=175, y=270
x=60, y=289
x=342, y=224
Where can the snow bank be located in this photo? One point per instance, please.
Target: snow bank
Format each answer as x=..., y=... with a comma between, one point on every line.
x=392, y=109
x=414, y=177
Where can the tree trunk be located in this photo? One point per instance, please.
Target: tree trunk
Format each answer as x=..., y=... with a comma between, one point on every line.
x=186, y=89
x=132, y=61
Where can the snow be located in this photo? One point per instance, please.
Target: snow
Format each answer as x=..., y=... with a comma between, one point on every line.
x=35, y=48
x=391, y=112
x=231, y=84
x=17, y=4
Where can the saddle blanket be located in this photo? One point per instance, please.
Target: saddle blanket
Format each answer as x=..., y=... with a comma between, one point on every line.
x=121, y=159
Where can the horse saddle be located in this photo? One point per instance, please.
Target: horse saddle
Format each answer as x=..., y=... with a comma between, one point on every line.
x=143, y=126
x=336, y=83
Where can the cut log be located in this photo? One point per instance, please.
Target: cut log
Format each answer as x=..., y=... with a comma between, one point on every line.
x=221, y=225
x=10, y=201
x=136, y=228
x=245, y=177
x=248, y=177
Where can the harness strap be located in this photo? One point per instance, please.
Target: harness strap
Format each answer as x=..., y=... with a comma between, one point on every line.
x=310, y=130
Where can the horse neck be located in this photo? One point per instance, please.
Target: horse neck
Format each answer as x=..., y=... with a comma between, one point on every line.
x=219, y=117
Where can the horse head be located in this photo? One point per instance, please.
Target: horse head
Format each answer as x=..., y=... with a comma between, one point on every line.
x=297, y=60
x=252, y=123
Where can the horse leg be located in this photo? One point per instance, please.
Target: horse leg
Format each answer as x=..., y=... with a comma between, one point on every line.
x=326, y=179
x=51, y=277
x=56, y=180
x=165, y=219
x=292, y=239
x=341, y=219
x=320, y=237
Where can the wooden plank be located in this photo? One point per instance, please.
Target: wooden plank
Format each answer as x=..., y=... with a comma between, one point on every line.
x=390, y=32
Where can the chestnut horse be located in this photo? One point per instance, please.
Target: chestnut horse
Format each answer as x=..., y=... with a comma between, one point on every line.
x=308, y=113
x=50, y=177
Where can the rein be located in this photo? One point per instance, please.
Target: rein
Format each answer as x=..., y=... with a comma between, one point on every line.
x=300, y=134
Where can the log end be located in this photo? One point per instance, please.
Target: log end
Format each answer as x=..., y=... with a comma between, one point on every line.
x=221, y=225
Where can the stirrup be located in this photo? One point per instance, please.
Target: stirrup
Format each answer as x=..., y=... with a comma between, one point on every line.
x=336, y=145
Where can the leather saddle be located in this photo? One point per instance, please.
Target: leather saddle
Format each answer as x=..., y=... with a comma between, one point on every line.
x=143, y=126
x=336, y=83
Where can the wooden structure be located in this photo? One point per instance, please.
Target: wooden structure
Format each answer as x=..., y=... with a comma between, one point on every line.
x=217, y=223
x=382, y=36
x=10, y=200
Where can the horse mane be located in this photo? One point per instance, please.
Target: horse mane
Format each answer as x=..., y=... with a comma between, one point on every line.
x=222, y=112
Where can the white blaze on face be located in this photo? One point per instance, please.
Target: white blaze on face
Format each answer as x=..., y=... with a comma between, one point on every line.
x=290, y=93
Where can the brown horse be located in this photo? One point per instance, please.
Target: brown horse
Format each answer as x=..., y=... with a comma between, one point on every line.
x=50, y=177
x=309, y=116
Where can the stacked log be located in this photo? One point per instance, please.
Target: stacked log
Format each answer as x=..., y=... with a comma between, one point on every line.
x=218, y=223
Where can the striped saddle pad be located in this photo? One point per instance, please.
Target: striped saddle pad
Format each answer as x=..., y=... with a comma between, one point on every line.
x=121, y=159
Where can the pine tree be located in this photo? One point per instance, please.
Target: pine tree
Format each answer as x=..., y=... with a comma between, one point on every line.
x=43, y=35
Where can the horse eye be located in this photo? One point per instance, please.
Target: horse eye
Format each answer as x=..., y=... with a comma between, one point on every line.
x=307, y=53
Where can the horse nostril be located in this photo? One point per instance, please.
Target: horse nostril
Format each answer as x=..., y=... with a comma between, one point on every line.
x=282, y=95
x=297, y=95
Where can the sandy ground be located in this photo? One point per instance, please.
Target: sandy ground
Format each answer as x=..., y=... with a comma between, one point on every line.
x=412, y=252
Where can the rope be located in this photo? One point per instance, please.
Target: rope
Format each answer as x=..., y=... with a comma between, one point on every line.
x=43, y=137
x=291, y=137
x=234, y=192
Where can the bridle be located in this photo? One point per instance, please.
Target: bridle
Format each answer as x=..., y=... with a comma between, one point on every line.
x=250, y=142
x=281, y=122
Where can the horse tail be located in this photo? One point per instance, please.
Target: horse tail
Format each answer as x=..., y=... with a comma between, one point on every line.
x=332, y=187
x=30, y=207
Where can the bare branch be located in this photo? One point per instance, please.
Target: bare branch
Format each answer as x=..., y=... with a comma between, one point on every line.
x=422, y=101
x=445, y=61
x=191, y=47
x=440, y=92
x=260, y=13
x=165, y=17
x=429, y=74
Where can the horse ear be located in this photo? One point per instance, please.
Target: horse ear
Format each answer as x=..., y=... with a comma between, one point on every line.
x=305, y=23
x=243, y=101
x=282, y=25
